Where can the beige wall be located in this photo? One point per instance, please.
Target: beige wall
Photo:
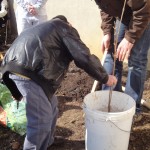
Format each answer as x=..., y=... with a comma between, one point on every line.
x=82, y=14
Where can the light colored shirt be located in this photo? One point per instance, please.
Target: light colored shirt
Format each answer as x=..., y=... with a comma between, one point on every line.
x=39, y=5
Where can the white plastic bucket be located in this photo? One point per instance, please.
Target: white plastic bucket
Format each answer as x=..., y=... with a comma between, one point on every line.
x=108, y=131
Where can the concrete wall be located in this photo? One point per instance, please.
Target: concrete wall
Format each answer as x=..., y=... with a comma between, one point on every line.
x=82, y=14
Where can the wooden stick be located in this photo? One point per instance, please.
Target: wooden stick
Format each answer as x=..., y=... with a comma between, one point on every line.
x=102, y=62
x=110, y=97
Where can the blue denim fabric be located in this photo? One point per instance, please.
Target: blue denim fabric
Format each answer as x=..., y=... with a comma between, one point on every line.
x=41, y=114
x=137, y=65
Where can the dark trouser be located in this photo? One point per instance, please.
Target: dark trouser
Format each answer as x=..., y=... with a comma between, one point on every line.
x=41, y=114
x=137, y=65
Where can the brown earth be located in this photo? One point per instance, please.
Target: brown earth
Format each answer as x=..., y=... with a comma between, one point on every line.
x=71, y=123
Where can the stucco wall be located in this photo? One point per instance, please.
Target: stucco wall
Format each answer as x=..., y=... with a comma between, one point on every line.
x=82, y=14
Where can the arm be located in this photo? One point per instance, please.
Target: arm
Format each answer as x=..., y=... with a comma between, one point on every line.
x=84, y=60
x=4, y=6
x=33, y=9
x=39, y=4
x=107, y=27
x=82, y=57
x=137, y=25
x=107, y=22
x=139, y=20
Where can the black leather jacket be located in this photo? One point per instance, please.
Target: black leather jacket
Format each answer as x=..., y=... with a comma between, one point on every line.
x=43, y=53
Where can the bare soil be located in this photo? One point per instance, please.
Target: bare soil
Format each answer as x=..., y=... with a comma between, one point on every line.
x=71, y=123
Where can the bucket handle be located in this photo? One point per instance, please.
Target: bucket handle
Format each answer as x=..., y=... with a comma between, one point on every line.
x=119, y=127
x=115, y=125
x=109, y=119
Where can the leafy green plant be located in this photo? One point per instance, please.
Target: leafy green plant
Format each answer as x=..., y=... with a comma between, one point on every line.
x=16, y=118
x=5, y=95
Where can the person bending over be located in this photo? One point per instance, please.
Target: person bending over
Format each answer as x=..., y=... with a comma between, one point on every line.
x=34, y=67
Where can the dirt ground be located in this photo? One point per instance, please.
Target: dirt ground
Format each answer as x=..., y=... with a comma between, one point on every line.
x=71, y=123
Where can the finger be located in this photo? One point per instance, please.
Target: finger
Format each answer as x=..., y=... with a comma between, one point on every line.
x=119, y=53
x=127, y=55
x=123, y=56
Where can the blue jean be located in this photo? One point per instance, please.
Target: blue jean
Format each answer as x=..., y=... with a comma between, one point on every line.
x=137, y=65
x=41, y=114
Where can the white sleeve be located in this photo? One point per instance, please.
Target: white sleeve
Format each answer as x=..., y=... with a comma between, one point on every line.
x=39, y=4
x=4, y=6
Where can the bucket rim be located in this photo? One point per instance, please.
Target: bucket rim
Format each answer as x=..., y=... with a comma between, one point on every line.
x=112, y=116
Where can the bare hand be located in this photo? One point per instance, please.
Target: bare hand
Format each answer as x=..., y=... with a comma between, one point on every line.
x=124, y=49
x=112, y=80
x=31, y=10
x=105, y=42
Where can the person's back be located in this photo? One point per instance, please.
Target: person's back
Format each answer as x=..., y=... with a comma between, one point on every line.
x=38, y=50
x=45, y=42
x=47, y=50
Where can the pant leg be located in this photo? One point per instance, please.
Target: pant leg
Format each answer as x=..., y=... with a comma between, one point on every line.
x=137, y=67
x=108, y=65
x=109, y=61
x=41, y=115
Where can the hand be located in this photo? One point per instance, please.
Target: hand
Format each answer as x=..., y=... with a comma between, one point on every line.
x=124, y=49
x=105, y=42
x=31, y=9
x=112, y=80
